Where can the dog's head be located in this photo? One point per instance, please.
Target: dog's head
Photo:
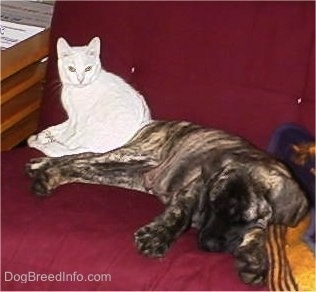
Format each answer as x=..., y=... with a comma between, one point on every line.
x=242, y=194
x=223, y=206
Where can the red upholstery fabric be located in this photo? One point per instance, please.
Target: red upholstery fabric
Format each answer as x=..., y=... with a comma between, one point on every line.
x=245, y=67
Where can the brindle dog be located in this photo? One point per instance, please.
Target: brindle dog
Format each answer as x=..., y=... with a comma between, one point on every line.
x=218, y=183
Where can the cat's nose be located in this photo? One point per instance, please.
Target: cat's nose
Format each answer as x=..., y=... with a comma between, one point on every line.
x=80, y=78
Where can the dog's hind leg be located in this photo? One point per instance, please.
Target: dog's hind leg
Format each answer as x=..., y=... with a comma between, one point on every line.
x=123, y=167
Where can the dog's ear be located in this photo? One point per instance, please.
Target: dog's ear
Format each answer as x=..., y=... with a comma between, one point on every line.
x=290, y=204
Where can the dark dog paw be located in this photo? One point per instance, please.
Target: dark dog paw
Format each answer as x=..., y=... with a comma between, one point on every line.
x=45, y=179
x=40, y=185
x=252, y=262
x=152, y=240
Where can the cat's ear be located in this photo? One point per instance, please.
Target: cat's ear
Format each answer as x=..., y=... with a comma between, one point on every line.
x=63, y=49
x=93, y=48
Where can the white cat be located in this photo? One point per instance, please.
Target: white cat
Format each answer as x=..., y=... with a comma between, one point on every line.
x=104, y=112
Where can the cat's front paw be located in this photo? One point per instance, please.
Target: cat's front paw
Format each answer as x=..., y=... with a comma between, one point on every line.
x=32, y=141
x=43, y=138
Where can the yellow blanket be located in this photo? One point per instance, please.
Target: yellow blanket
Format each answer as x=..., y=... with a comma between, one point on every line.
x=292, y=263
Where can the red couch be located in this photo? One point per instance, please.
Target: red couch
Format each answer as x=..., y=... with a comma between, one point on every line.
x=245, y=67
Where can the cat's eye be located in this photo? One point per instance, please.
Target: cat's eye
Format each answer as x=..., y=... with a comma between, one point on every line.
x=71, y=69
x=88, y=69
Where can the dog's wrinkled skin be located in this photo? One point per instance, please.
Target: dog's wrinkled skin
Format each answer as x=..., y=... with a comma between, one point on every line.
x=208, y=179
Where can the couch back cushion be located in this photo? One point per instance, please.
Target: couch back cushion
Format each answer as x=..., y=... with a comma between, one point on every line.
x=245, y=67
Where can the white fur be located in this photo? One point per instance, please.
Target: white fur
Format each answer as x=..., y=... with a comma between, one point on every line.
x=104, y=112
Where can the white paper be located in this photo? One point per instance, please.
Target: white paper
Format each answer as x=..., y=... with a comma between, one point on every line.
x=13, y=33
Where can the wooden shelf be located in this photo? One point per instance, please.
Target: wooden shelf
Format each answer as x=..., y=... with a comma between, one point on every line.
x=22, y=76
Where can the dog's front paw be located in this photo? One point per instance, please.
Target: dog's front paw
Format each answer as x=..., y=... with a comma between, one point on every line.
x=152, y=240
x=252, y=262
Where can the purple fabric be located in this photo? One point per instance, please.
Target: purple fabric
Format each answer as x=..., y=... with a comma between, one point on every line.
x=281, y=145
x=245, y=67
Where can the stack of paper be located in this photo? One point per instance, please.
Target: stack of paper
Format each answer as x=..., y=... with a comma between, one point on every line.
x=13, y=33
x=27, y=12
x=23, y=19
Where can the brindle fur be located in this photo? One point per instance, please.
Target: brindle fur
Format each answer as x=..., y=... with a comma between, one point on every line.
x=218, y=183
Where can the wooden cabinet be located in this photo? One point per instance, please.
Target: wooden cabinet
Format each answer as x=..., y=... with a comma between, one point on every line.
x=22, y=77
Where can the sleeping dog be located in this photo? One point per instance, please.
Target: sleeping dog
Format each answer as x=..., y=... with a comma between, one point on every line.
x=208, y=179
